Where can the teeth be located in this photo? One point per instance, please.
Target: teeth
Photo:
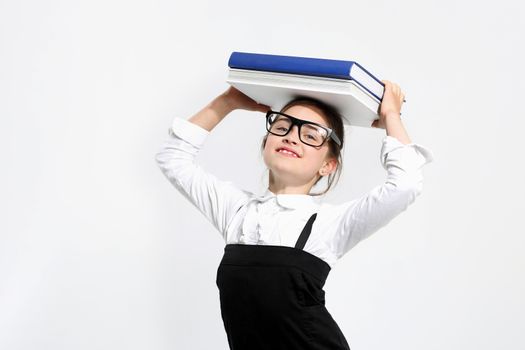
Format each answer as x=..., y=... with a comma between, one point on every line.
x=286, y=151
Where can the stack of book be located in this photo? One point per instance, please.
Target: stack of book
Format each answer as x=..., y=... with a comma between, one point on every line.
x=274, y=80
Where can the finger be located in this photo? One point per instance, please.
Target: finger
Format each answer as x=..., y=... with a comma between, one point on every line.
x=399, y=92
x=392, y=87
x=396, y=88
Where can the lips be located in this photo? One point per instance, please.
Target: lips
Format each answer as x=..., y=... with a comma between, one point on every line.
x=286, y=150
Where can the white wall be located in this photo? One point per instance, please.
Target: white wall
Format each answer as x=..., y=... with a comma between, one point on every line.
x=99, y=251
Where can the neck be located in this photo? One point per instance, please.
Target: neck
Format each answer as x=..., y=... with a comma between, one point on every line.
x=277, y=186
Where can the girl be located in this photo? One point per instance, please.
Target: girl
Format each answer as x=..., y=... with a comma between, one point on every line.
x=281, y=245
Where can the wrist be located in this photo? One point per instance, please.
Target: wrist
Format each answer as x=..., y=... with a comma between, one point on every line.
x=222, y=105
x=392, y=115
x=225, y=99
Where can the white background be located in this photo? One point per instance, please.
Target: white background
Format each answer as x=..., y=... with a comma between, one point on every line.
x=99, y=251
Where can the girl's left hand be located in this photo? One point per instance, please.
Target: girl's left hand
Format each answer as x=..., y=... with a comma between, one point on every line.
x=391, y=104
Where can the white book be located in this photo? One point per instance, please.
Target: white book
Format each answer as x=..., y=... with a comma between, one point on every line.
x=357, y=106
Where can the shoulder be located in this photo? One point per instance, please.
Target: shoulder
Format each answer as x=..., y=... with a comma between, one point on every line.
x=330, y=212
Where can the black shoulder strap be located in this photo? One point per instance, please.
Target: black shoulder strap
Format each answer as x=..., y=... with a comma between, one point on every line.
x=301, y=241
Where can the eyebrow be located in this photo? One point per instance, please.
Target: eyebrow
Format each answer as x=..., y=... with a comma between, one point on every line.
x=309, y=121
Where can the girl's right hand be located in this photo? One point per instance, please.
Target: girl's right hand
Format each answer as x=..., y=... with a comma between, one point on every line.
x=391, y=104
x=237, y=100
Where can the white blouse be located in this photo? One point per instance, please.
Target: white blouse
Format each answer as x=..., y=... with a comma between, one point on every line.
x=244, y=217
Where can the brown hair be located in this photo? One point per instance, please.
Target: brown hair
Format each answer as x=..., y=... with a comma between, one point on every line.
x=335, y=122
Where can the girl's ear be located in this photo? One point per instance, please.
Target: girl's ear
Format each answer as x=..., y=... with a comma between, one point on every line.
x=328, y=167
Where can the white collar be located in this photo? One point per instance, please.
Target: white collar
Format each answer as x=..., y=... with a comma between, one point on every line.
x=292, y=201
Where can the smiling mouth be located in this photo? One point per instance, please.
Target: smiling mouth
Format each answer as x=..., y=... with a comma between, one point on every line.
x=287, y=153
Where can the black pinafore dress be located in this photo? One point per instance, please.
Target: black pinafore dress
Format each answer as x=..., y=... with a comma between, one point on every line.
x=272, y=298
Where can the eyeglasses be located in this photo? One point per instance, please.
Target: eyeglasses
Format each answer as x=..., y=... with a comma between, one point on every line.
x=310, y=133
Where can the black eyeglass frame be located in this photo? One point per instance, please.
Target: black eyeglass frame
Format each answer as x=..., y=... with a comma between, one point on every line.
x=330, y=133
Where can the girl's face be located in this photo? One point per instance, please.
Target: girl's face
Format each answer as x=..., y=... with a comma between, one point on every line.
x=310, y=161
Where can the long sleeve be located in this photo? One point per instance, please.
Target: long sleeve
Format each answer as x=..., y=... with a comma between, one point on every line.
x=358, y=219
x=218, y=200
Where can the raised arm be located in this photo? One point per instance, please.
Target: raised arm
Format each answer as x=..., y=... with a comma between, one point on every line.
x=390, y=113
x=403, y=160
x=218, y=200
x=222, y=105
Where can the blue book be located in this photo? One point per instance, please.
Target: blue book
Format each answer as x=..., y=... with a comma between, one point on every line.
x=329, y=68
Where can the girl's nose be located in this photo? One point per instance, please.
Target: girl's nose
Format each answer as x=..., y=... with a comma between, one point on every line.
x=293, y=135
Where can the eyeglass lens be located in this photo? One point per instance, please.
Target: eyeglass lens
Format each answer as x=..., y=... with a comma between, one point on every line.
x=310, y=134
